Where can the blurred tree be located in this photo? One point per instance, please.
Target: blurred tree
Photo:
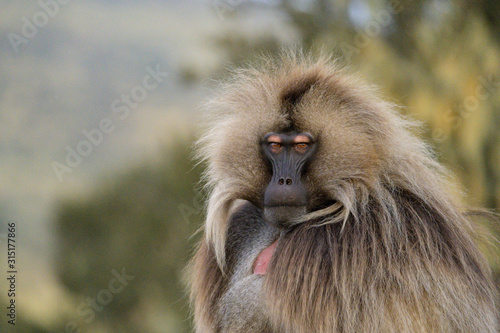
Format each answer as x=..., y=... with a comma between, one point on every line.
x=141, y=222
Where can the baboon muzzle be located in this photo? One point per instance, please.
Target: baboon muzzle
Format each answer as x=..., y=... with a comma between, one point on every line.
x=285, y=189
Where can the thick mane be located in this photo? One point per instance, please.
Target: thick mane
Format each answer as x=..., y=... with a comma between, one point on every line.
x=257, y=100
x=391, y=249
x=352, y=271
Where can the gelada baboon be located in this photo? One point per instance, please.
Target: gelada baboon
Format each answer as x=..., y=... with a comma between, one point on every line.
x=327, y=214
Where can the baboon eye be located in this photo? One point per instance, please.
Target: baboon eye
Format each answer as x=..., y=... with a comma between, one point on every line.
x=275, y=147
x=301, y=147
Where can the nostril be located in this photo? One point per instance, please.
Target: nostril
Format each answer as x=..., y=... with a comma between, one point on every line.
x=281, y=181
x=288, y=181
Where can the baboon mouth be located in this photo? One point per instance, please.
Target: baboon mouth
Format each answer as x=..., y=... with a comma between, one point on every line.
x=262, y=261
x=283, y=215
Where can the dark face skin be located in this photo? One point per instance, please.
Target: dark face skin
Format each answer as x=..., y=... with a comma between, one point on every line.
x=285, y=197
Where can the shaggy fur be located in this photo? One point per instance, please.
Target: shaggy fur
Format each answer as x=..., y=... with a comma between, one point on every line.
x=385, y=246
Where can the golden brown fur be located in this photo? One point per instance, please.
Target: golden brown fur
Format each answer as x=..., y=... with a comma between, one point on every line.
x=385, y=246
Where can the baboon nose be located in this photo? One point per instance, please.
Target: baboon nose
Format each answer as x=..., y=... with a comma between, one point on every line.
x=288, y=181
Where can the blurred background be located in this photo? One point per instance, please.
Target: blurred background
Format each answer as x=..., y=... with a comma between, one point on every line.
x=99, y=108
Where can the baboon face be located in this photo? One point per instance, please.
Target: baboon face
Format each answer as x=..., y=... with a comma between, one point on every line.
x=288, y=154
x=312, y=134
